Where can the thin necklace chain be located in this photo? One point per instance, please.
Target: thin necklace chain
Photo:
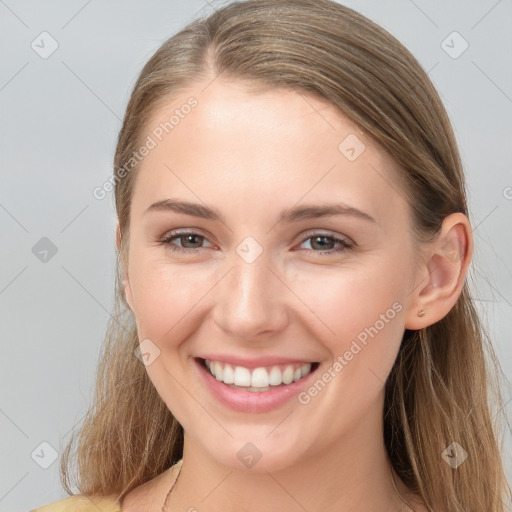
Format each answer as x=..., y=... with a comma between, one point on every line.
x=166, y=502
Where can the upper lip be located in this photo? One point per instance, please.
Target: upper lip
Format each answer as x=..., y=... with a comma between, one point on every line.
x=254, y=362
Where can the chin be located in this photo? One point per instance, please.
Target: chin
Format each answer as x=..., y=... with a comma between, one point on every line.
x=257, y=457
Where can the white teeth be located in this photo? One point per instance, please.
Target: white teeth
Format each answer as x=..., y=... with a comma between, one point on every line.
x=275, y=377
x=228, y=376
x=257, y=379
x=288, y=375
x=218, y=370
x=304, y=370
x=242, y=376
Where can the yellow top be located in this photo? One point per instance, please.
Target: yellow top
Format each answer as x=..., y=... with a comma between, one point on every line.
x=81, y=503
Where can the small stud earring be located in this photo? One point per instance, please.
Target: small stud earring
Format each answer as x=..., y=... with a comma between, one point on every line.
x=421, y=312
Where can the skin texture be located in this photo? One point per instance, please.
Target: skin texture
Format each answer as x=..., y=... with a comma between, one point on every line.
x=251, y=155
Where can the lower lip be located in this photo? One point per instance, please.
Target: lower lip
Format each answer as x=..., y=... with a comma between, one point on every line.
x=251, y=401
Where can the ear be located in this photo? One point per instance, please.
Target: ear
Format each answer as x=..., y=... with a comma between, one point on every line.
x=118, y=236
x=442, y=273
x=124, y=274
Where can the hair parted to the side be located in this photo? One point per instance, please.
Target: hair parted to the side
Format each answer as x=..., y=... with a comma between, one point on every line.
x=442, y=387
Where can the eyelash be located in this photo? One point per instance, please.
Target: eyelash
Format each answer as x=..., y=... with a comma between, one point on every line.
x=345, y=244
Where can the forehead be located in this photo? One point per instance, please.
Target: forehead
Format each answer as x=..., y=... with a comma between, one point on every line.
x=276, y=144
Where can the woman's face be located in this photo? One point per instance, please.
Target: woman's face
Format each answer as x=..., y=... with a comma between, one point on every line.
x=256, y=274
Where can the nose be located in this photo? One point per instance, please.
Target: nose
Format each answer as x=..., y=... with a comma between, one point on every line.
x=251, y=300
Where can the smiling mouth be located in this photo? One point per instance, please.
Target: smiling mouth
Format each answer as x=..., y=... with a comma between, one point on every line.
x=259, y=379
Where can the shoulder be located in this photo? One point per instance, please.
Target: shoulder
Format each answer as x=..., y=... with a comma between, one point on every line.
x=141, y=496
x=81, y=503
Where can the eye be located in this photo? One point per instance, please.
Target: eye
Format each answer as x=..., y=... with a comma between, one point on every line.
x=189, y=240
x=327, y=243
x=320, y=243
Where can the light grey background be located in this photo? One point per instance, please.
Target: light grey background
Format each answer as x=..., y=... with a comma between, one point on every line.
x=59, y=122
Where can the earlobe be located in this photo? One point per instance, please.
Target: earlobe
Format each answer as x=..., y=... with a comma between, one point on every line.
x=444, y=272
x=126, y=290
x=128, y=295
x=118, y=236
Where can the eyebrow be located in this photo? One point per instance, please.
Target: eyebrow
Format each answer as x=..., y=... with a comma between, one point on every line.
x=294, y=214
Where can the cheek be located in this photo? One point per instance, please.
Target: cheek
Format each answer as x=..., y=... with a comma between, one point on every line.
x=359, y=311
x=163, y=295
x=349, y=298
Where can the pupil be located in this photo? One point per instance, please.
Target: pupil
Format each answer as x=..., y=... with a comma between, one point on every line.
x=191, y=238
x=322, y=245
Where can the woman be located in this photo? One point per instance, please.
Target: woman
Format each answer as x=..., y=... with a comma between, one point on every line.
x=295, y=330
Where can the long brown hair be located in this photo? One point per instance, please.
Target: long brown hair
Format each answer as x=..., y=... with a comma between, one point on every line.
x=441, y=388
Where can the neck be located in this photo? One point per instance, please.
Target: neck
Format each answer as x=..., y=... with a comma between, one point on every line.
x=352, y=475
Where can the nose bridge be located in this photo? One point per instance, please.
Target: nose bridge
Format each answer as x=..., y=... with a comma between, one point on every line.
x=251, y=297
